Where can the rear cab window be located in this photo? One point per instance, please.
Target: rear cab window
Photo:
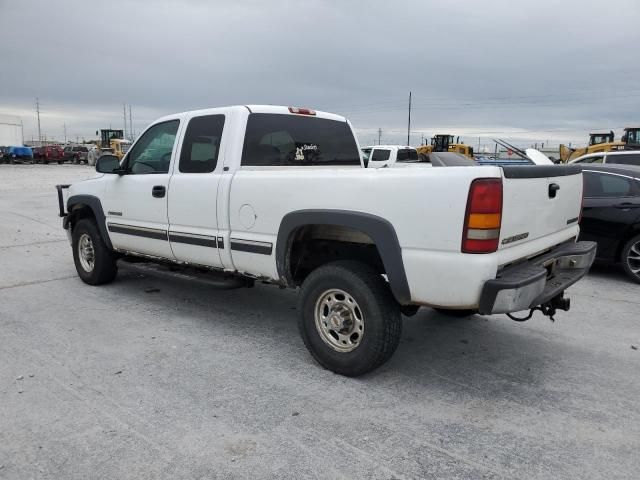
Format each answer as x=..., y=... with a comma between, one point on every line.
x=296, y=140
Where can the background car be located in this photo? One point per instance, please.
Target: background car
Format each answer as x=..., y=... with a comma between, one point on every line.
x=611, y=214
x=17, y=154
x=49, y=153
x=75, y=153
x=627, y=157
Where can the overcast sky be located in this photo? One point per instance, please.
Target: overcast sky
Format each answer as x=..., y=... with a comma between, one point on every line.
x=534, y=71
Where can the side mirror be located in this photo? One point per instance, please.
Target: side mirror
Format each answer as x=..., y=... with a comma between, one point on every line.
x=109, y=164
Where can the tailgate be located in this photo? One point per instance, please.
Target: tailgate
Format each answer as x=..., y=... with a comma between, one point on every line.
x=538, y=201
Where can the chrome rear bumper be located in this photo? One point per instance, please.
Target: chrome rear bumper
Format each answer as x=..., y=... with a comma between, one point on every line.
x=536, y=282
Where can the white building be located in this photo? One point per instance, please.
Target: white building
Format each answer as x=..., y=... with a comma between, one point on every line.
x=10, y=131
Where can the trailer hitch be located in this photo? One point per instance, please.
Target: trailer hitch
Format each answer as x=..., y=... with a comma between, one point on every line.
x=548, y=309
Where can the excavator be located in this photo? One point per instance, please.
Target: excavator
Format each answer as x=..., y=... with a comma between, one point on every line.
x=603, y=142
x=444, y=143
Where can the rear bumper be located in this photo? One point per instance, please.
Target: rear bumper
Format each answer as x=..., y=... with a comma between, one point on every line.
x=536, y=282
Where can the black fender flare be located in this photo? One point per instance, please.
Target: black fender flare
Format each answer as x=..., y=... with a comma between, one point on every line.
x=96, y=207
x=377, y=228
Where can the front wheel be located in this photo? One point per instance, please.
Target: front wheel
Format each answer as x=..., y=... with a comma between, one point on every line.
x=95, y=263
x=631, y=258
x=348, y=318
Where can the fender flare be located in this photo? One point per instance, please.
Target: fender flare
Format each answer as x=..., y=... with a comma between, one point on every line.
x=377, y=228
x=96, y=207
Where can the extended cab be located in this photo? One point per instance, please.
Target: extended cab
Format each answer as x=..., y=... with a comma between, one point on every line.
x=280, y=194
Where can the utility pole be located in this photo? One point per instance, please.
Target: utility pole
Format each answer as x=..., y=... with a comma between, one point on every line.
x=409, y=123
x=38, y=112
x=379, y=135
x=64, y=125
x=124, y=109
x=131, y=132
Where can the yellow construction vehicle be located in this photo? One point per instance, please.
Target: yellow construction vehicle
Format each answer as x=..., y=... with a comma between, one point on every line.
x=445, y=143
x=113, y=142
x=603, y=142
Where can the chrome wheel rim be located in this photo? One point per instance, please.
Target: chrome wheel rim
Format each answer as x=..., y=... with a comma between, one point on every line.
x=86, y=253
x=339, y=320
x=633, y=259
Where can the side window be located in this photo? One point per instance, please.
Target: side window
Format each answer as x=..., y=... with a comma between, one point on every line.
x=380, y=155
x=407, y=155
x=201, y=144
x=152, y=152
x=605, y=185
x=627, y=159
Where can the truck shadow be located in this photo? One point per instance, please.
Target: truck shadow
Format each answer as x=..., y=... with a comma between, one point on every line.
x=477, y=355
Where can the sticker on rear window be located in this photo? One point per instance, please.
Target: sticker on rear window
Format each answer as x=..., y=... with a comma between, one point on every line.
x=306, y=152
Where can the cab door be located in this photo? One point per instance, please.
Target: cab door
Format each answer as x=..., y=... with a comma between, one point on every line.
x=136, y=201
x=193, y=191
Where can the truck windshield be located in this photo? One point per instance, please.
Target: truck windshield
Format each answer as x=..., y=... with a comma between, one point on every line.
x=276, y=139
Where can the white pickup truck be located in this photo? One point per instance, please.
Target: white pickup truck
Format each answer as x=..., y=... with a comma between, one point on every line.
x=279, y=194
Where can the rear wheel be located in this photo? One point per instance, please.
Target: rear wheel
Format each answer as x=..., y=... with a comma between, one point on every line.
x=95, y=263
x=631, y=258
x=349, y=320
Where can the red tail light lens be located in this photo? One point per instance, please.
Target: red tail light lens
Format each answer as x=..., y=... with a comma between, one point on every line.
x=483, y=218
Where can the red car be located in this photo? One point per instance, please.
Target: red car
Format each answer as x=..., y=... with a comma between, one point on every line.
x=50, y=153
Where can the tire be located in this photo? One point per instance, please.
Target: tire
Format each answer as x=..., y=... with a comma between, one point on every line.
x=104, y=267
x=630, y=258
x=376, y=314
x=60, y=162
x=455, y=313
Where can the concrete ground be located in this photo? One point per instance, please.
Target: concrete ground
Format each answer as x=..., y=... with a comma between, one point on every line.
x=155, y=378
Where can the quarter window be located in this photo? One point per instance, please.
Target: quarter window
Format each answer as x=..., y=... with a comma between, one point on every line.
x=605, y=185
x=201, y=144
x=152, y=152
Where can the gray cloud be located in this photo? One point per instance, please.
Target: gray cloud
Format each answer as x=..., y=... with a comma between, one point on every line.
x=533, y=71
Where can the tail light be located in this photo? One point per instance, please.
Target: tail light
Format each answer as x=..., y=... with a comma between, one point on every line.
x=483, y=217
x=302, y=111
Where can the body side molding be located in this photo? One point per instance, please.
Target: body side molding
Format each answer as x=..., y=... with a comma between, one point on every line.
x=377, y=228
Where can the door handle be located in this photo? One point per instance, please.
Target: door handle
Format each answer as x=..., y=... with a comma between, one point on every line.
x=627, y=205
x=553, y=189
x=158, y=191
